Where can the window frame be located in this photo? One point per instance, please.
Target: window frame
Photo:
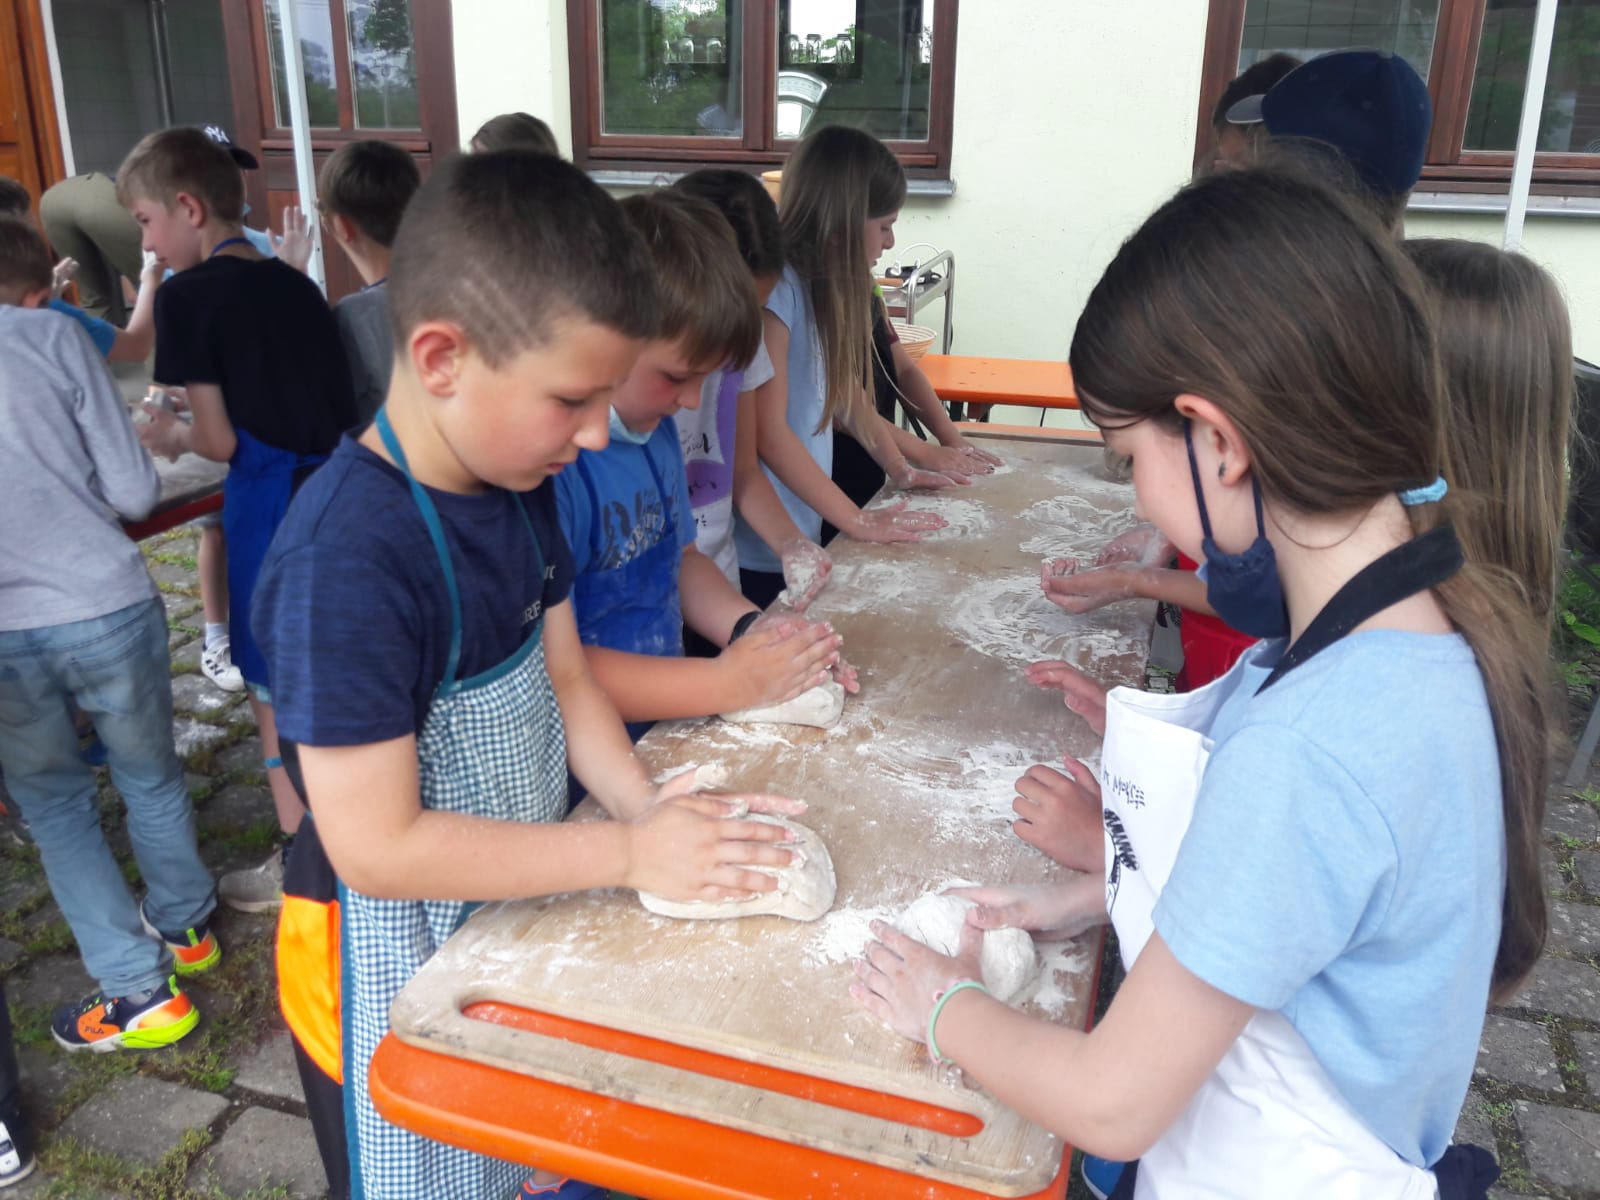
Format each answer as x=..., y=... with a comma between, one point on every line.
x=592, y=149
x=1447, y=167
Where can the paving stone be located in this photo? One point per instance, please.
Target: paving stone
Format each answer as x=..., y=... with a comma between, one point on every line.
x=178, y=605
x=1560, y=985
x=1474, y=1125
x=1574, y=927
x=1588, y=864
x=46, y=1071
x=49, y=982
x=177, y=635
x=197, y=694
x=1555, y=883
x=186, y=657
x=190, y=735
x=9, y=953
x=1588, y=1045
x=264, y=1149
x=173, y=574
x=235, y=807
x=19, y=888
x=270, y=1069
x=166, y=1112
x=1514, y=1051
x=1562, y=1144
x=1573, y=819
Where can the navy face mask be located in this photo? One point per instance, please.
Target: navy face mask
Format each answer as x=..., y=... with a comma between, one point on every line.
x=1244, y=589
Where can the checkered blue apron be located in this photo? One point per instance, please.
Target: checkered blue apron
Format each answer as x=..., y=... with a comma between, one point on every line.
x=492, y=746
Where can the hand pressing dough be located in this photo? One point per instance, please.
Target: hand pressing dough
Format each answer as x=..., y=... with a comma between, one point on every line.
x=1008, y=959
x=821, y=706
x=805, y=887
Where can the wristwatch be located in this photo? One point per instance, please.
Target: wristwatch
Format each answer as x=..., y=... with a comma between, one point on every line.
x=742, y=625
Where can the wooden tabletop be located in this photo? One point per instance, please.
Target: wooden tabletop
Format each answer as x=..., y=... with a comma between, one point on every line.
x=190, y=487
x=1029, y=382
x=747, y=1025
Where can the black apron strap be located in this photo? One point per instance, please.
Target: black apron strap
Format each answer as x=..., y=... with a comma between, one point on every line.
x=1466, y=1172
x=1422, y=563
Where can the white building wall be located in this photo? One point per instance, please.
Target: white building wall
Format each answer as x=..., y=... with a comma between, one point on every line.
x=1073, y=120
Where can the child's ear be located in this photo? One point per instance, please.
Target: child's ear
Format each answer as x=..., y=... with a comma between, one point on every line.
x=344, y=229
x=37, y=298
x=1214, y=429
x=438, y=352
x=192, y=207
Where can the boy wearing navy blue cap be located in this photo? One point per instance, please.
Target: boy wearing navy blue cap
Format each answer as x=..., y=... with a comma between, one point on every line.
x=1369, y=106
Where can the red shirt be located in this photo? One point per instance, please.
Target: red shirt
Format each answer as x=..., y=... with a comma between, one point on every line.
x=1210, y=645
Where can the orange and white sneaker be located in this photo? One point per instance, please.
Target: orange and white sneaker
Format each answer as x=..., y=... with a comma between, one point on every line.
x=145, y=1022
x=193, y=951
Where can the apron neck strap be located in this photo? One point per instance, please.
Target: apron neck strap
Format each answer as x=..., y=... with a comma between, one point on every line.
x=430, y=518
x=1415, y=566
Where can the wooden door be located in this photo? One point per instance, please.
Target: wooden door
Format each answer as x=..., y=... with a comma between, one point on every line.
x=30, y=146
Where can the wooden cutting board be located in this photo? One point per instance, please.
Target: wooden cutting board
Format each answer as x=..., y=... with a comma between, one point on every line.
x=911, y=792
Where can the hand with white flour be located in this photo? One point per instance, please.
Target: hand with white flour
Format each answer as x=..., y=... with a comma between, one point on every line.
x=806, y=567
x=898, y=978
x=1052, y=910
x=1084, y=695
x=781, y=656
x=692, y=847
x=892, y=523
x=1060, y=815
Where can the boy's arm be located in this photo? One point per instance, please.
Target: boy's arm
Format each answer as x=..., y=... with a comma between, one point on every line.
x=598, y=749
x=711, y=605
x=210, y=436
x=125, y=475
x=134, y=343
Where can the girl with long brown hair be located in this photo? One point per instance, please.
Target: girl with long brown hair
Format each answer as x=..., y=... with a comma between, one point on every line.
x=1324, y=864
x=842, y=190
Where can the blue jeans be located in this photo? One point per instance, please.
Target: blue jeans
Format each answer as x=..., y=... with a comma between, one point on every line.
x=117, y=669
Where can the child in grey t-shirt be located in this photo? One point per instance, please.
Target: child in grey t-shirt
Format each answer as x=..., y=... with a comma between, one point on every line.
x=364, y=188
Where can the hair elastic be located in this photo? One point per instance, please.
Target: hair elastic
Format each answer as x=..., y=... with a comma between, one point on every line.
x=273, y=763
x=938, y=1007
x=1431, y=494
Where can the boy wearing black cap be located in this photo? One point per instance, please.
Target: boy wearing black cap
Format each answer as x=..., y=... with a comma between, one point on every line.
x=255, y=345
x=1367, y=106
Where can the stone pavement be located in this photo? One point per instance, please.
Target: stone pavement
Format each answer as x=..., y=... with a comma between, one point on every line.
x=220, y=1116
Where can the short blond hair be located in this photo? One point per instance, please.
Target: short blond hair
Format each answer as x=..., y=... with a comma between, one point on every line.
x=182, y=159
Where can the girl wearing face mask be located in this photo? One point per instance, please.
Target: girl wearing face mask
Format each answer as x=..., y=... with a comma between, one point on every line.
x=1324, y=865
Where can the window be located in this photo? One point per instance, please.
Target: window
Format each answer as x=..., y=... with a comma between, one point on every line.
x=1474, y=55
x=668, y=84
x=366, y=78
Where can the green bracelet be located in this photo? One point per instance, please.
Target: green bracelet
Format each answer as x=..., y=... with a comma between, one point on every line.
x=938, y=1007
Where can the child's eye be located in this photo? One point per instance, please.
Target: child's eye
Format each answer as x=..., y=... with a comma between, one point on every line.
x=572, y=402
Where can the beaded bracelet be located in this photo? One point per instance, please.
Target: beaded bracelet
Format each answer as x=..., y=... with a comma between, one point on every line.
x=939, y=1002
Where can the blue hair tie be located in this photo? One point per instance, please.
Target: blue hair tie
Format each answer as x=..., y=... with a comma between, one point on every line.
x=1431, y=494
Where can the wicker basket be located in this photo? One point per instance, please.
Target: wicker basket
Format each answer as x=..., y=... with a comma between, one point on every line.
x=773, y=182
x=915, y=338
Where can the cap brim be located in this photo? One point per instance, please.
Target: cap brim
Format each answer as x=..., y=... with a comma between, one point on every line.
x=1246, y=111
x=243, y=157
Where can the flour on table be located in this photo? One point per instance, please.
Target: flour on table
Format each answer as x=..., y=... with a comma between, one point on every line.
x=820, y=707
x=844, y=933
x=806, y=887
x=1072, y=523
x=877, y=584
x=963, y=518
x=1007, y=958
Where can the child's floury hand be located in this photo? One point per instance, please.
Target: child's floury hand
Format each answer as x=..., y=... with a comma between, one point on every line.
x=892, y=523
x=689, y=847
x=1080, y=693
x=1061, y=815
x=164, y=433
x=780, y=657
x=898, y=977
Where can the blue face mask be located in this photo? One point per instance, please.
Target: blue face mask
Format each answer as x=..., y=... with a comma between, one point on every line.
x=1244, y=589
x=623, y=434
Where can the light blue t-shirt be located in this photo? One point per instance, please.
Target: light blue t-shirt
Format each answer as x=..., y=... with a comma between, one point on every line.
x=102, y=333
x=807, y=396
x=1346, y=866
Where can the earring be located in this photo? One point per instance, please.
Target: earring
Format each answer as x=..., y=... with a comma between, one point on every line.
x=1222, y=469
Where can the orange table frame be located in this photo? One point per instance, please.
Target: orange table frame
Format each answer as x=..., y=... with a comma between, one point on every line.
x=639, y=1149
x=1026, y=382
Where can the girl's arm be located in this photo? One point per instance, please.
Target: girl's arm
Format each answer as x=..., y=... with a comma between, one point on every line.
x=1085, y=591
x=1113, y=1091
x=753, y=494
x=930, y=410
x=134, y=343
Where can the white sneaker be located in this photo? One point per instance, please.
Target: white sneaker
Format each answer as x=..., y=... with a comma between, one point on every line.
x=217, y=666
x=254, y=889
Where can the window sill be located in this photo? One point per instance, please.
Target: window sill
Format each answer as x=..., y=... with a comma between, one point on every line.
x=645, y=179
x=1489, y=204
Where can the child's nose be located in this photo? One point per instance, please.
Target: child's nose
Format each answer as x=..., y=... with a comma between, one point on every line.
x=592, y=433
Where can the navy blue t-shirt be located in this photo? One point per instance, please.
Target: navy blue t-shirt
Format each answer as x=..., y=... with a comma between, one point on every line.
x=352, y=612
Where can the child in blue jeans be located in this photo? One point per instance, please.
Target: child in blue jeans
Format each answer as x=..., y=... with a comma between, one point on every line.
x=80, y=620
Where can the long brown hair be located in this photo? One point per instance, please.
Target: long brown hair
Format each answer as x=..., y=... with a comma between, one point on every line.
x=1505, y=343
x=1266, y=293
x=836, y=179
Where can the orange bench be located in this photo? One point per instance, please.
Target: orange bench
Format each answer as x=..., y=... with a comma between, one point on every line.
x=1026, y=382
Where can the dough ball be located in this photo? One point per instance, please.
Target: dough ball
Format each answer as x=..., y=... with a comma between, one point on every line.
x=1008, y=958
x=805, y=891
x=820, y=706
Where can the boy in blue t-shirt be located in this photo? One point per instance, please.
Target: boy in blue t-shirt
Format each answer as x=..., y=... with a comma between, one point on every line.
x=429, y=682
x=626, y=513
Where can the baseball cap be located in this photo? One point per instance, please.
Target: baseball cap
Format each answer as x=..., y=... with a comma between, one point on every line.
x=1369, y=105
x=238, y=153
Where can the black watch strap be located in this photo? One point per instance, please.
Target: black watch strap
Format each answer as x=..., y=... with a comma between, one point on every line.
x=742, y=625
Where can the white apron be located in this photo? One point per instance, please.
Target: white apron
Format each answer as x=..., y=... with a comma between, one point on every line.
x=1268, y=1123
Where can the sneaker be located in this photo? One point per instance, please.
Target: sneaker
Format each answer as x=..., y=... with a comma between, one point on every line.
x=193, y=951
x=16, y=1151
x=254, y=889
x=1101, y=1175
x=217, y=665
x=100, y=1023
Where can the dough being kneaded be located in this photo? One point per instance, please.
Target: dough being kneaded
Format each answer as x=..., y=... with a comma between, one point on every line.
x=820, y=706
x=805, y=888
x=1008, y=959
